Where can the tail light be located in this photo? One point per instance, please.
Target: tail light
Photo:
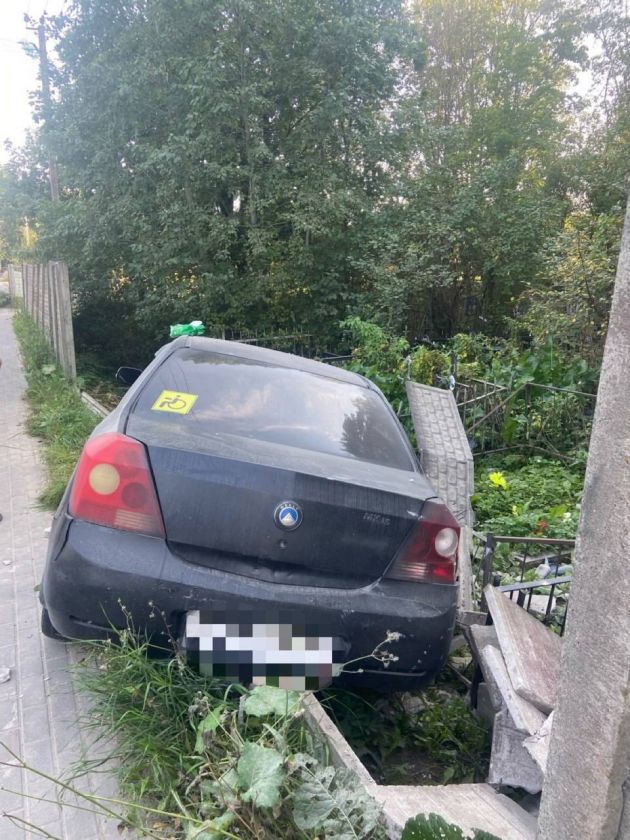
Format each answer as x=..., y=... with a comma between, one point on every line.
x=429, y=555
x=113, y=486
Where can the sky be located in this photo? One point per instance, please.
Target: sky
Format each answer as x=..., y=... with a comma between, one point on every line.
x=18, y=72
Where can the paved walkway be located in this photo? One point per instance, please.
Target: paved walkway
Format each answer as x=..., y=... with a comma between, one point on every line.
x=39, y=707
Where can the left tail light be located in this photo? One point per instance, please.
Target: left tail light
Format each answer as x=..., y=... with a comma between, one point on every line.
x=113, y=486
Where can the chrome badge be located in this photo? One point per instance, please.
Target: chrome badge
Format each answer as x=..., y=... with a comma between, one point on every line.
x=288, y=516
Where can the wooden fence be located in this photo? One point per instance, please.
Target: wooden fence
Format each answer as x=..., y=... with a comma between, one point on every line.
x=45, y=291
x=15, y=282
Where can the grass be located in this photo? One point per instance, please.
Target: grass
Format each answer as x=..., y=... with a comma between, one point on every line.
x=56, y=414
x=206, y=761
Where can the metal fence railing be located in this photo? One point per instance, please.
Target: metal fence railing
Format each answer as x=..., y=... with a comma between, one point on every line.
x=540, y=418
x=534, y=571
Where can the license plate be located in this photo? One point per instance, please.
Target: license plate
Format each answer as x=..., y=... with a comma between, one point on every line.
x=283, y=654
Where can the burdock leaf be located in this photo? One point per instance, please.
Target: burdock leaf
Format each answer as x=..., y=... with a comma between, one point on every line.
x=269, y=700
x=260, y=773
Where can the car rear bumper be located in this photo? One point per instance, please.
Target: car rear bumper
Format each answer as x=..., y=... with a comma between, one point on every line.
x=101, y=578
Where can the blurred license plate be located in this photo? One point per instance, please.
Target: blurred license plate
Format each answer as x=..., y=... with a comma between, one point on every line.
x=285, y=654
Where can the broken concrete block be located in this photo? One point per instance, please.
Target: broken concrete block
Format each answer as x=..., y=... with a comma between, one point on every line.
x=531, y=651
x=481, y=635
x=510, y=763
x=486, y=709
x=481, y=638
x=537, y=745
x=525, y=715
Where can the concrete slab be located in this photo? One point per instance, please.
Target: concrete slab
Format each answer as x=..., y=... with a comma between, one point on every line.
x=467, y=806
x=481, y=637
x=341, y=753
x=445, y=453
x=510, y=763
x=539, y=603
x=537, y=745
x=589, y=756
x=486, y=707
x=531, y=651
x=447, y=460
x=525, y=715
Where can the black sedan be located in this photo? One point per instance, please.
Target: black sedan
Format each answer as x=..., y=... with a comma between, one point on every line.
x=264, y=511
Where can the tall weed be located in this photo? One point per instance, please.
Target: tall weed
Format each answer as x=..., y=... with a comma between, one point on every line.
x=230, y=762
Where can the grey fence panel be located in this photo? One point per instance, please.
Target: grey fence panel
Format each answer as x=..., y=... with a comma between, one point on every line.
x=46, y=294
x=16, y=288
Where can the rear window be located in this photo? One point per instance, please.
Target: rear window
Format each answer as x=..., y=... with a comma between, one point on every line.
x=210, y=394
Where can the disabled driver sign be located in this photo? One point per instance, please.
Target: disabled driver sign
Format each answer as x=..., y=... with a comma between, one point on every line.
x=175, y=402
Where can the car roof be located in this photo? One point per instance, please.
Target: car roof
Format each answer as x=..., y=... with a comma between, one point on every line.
x=265, y=356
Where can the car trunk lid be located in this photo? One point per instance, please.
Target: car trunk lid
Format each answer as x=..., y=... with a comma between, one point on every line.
x=224, y=512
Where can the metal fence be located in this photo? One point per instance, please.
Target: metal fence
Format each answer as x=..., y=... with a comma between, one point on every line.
x=45, y=292
x=534, y=571
x=540, y=418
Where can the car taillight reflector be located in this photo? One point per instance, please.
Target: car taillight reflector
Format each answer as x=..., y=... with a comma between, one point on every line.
x=113, y=486
x=429, y=555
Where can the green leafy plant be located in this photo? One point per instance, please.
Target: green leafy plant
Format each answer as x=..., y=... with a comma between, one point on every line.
x=380, y=356
x=441, y=742
x=533, y=496
x=435, y=827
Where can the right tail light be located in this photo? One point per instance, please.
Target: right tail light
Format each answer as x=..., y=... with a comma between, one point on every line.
x=429, y=555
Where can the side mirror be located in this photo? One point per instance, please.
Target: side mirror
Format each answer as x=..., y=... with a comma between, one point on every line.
x=127, y=375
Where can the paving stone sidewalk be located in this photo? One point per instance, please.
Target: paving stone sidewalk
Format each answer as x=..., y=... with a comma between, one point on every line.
x=40, y=707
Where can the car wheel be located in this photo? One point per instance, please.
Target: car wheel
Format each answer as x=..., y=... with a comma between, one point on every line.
x=48, y=629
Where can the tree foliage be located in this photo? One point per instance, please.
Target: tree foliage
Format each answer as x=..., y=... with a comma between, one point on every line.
x=270, y=164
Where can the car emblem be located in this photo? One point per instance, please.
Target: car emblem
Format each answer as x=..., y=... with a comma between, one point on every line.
x=288, y=515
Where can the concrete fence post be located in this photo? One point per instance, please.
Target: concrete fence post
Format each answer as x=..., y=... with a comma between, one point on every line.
x=588, y=770
x=54, y=309
x=64, y=319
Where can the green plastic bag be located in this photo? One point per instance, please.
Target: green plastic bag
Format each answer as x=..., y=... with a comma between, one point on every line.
x=194, y=328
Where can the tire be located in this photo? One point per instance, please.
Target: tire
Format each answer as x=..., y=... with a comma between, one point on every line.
x=47, y=628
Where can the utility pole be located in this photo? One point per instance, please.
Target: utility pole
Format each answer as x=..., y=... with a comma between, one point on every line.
x=586, y=793
x=47, y=103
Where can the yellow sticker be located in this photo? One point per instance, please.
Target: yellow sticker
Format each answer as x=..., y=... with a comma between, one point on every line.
x=174, y=401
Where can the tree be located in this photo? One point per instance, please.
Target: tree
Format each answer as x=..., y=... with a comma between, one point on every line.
x=483, y=186
x=218, y=158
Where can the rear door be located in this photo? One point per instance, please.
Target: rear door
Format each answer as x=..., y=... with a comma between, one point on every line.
x=231, y=440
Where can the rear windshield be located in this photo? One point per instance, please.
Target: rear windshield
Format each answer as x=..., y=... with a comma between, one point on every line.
x=210, y=394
